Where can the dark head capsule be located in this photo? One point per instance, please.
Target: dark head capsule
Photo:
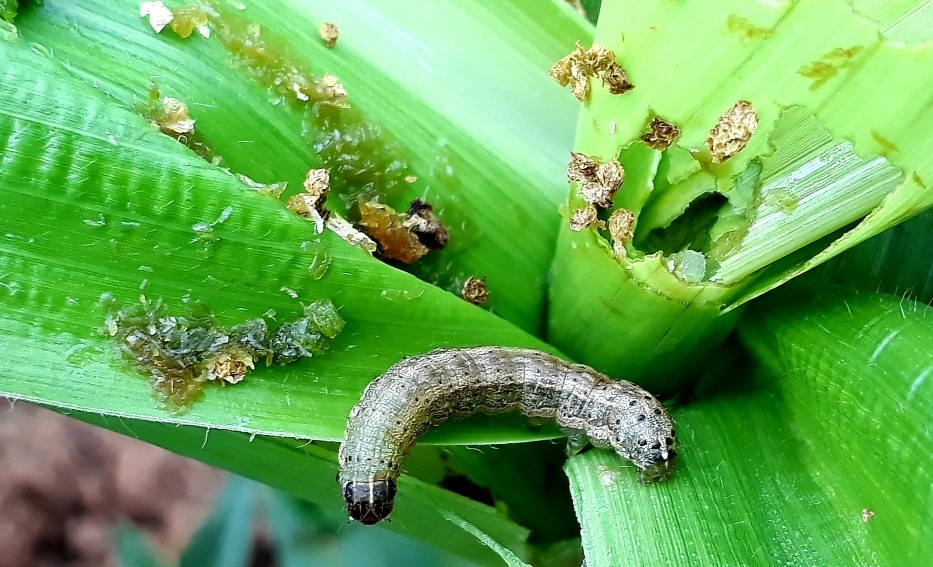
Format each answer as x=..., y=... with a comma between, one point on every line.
x=369, y=501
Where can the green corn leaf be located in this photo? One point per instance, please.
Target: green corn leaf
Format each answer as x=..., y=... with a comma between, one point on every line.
x=814, y=453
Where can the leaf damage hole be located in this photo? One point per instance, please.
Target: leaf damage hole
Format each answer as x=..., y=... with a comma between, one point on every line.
x=691, y=230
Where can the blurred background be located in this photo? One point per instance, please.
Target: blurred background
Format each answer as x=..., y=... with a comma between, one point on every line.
x=72, y=494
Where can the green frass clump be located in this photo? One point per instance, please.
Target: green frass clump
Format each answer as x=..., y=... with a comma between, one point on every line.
x=182, y=353
x=253, y=335
x=309, y=335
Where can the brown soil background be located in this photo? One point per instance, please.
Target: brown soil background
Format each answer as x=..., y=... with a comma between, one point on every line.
x=65, y=486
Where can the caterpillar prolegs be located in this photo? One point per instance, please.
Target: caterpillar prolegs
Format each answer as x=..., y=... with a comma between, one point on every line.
x=423, y=391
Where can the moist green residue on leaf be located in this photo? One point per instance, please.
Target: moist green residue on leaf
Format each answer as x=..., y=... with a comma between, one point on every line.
x=364, y=162
x=182, y=353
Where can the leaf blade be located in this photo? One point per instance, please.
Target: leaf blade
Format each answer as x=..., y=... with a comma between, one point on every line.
x=783, y=465
x=83, y=219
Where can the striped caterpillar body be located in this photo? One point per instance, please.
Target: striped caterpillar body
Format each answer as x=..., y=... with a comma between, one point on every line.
x=423, y=391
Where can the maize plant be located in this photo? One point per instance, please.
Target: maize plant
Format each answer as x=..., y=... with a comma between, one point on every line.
x=700, y=203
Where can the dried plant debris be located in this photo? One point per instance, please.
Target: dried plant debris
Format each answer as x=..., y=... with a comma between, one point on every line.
x=159, y=15
x=583, y=218
x=304, y=205
x=403, y=237
x=331, y=87
x=171, y=117
x=183, y=20
x=182, y=353
x=313, y=202
x=317, y=185
x=732, y=132
x=660, y=134
x=598, y=181
x=347, y=232
x=475, y=290
x=329, y=34
x=621, y=226
x=576, y=68
x=615, y=79
x=426, y=226
x=229, y=366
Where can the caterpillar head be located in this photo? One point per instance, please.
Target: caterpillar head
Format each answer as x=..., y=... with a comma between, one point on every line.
x=644, y=434
x=369, y=501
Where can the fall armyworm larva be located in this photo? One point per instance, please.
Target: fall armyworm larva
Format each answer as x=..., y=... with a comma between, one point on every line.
x=423, y=391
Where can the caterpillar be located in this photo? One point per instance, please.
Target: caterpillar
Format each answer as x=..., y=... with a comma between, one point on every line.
x=423, y=391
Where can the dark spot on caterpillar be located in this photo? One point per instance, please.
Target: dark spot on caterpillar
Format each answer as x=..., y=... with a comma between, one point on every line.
x=457, y=383
x=655, y=446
